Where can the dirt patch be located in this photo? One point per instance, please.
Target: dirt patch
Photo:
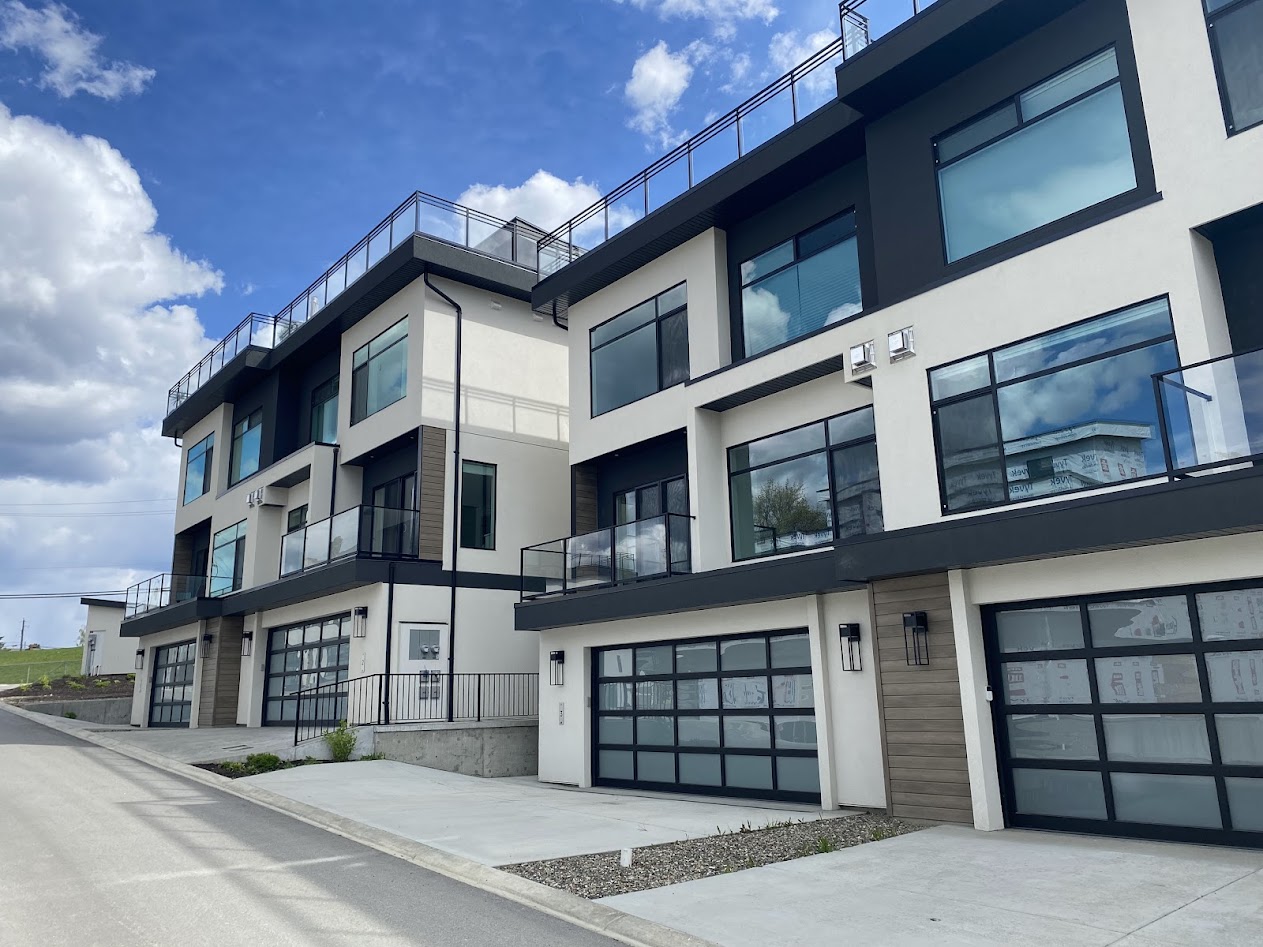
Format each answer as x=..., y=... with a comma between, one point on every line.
x=601, y=876
x=74, y=687
x=254, y=765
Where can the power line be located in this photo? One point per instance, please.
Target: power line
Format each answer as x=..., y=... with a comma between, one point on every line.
x=87, y=514
x=92, y=502
x=15, y=596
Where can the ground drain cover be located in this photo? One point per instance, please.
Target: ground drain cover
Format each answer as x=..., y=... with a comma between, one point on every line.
x=236, y=746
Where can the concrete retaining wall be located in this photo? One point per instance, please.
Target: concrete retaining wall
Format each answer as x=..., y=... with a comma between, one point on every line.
x=111, y=710
x=472, y=749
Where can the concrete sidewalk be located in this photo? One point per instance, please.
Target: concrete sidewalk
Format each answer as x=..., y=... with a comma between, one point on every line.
x=950, y=885
x=513, y=819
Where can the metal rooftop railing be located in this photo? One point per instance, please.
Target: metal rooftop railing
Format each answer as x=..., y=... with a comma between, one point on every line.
x=803, y=90
x=513, y=241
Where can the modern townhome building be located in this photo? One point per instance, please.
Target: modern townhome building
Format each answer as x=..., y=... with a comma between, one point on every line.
x=915, y=434
x=338, y=517
x=105, y=651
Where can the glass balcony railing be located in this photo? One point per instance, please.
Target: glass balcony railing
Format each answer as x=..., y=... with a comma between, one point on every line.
x=651, y=548
x=161, y=591
x=512, y=241
x=1212, y=413
x=365, y=531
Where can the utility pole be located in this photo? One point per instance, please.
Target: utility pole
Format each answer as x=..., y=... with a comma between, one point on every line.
x=22, y=637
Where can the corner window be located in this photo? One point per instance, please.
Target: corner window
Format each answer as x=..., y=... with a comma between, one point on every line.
x=228, y=556
x=641, y=351
x=477, y=505
x=805, y=487
x=801, y=285
x=247, y=438
x=1236, y=39
x=1057, y=148
x=379, y=372
x=324, y=412
x=1069, y=410
x=199, y=468
x=296, y=518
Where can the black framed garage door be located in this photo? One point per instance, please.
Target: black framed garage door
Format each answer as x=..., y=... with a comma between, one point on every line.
x=313, y=654
x=1137, y=715
x=731, y=716
x=171, y=696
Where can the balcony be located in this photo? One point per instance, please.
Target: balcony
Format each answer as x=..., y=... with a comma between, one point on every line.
x=651, y=548
x=509, y=241
x=1212, y=413
x=362, y=531
x=161, y=591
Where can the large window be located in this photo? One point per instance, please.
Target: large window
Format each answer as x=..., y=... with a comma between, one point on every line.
x=1054, y=149
x=477, y=505
x=641, y=351
x=247, y=439
x=379, y=372
x=199, y=468
x=1070, y=410
x=801, y=285
x=1236, y=36
x=805, y=487
x=228, y=556
x=324, y=412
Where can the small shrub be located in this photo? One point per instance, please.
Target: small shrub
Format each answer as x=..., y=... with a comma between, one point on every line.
x=373, y=756
x=824, y=845
x=71, y=714
x=77, y=685
x=264, y=762
x=881, y=833
x=131, y=677
x=45, y=682
x=104, y=682
x=24, y=689
x=341, y=742
x=233, y=768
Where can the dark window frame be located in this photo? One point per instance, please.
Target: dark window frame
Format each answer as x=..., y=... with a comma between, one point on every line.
x=166, y=657
x=659, y=317
x=738, y=323
x=360, y=373
x=208, y=468
x=495, y=501
x=299, y=513
x=993, y=386
x=661, y=486
x=251, y=421
x=238, y=567
x=829, y=450
x=1207, y=708
x=321, y=396
x=1212, y=18
x=1014, y=101
x=269, y=676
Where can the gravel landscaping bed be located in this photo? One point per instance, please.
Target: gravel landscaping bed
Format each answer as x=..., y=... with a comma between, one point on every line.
x=601, y=876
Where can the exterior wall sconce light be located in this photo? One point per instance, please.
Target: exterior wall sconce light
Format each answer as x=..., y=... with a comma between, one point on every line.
x=852, y=660
x=916, y=639
x=863, y=357
x=359, y=622
x=207, y=640
x=140, y=659
x=901, y=344
x=556, y=668
x=247, y=643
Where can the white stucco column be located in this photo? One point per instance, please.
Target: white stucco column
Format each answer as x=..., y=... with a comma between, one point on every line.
x=984, y=776
x=820, y=676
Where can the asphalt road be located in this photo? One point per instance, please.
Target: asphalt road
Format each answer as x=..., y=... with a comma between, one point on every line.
x=99, y=849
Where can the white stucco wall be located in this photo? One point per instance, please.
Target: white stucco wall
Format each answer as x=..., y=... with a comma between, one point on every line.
x=112, y=654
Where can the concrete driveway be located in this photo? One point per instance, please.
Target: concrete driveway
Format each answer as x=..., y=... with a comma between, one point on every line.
x=953, y=886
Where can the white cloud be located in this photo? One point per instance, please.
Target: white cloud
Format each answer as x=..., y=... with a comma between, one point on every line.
x=658, y=81
x=790, y=49
x=71, y=53
x=723, y=15
x=543, y=199
x=93, y=339
x=738, y=69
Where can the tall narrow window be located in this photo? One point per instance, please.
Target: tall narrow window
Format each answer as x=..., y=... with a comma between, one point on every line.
x=1057, y=148
x=1236, y=36
x=199, y=468
x=1069, y=410
x=477, y=505
x=801, y=285
x=247, y=439
x=324, y=412
x=805, y=487
x=228, y=556
x=379, y=372
x=641, y=351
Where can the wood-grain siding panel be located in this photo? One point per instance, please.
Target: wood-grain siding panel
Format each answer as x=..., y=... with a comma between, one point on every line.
x=433, y=493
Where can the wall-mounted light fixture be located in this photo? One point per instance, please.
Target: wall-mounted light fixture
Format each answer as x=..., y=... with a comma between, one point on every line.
x=247, y=643
x=863, y=357
x=359, y=622
x=852, y=660
x=140, y=659
x=207, y=640
x=556, y=668
x=916, y=639
x=901, y=344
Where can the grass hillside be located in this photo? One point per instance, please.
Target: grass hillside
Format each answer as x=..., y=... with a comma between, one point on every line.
x=18, y=667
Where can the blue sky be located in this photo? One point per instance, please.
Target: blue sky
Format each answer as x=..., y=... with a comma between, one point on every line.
x=167, y=167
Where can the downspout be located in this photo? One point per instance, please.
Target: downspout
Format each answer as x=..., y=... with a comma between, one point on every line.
x=390, y=623
x=333, y=482
x=563, y=326
x=451, y=620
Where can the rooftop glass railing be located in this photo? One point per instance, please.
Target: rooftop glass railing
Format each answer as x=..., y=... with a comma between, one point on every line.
x=1212, y=413
x=161, y=591
x=512, y=241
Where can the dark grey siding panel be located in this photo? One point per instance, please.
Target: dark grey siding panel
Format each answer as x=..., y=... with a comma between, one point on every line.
x=584, y=517
x=388, y=463
x=662, y=458
x=924, y=732
x=433, y=492
x=221, y=673
x=1238, y=250
x=278, y=427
